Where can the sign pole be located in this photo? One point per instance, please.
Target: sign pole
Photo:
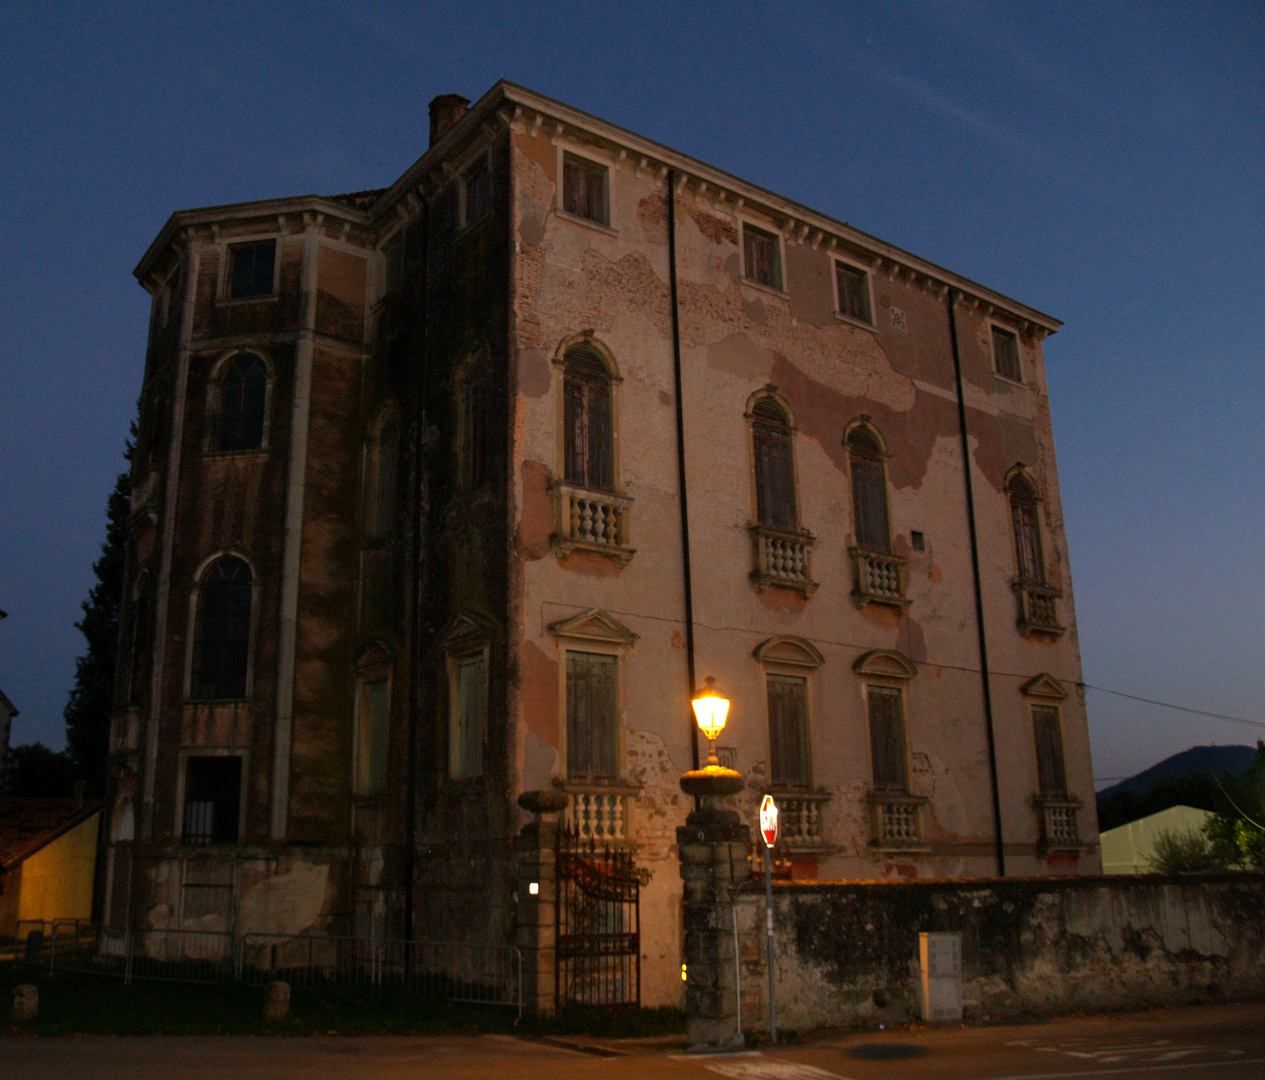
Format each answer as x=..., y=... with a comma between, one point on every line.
x=768, y=829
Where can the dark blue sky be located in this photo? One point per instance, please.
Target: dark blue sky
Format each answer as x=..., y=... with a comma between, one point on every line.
x=1103, y=162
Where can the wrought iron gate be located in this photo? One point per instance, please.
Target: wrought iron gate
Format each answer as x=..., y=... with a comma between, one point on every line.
x=598, y=924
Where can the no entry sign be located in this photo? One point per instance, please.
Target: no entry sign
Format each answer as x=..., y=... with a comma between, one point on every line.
x=768, y=820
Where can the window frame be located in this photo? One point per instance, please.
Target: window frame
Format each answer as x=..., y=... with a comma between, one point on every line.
x=457, y=660
x=612, y=381
x=375, y=667
x=867, y=281
x=593, y=167
x=215, y=403
x=196, y=602
x=997, y=330
x=879, y=460
x=183, y=757
x=479, y=163
x=225, y=290
x=471, y=388
x=1029, y=502
x=778, y=284
x=890, y=673
x=757, y=424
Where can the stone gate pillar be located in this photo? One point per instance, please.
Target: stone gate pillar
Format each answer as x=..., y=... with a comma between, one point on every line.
x=535, y=857
x=713, y=851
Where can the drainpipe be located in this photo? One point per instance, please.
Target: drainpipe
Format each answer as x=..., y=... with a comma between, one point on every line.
x=986, y=685
x=680, y=461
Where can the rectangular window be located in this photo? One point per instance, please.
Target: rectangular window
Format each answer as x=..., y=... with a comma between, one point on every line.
x=584, y=192
x=250, y=269
x=1006, y=354
x=592, y=736
x=373, y=715
x=887, y=738
x=788, y=732
x=212, y=799
x=854, y=292
x=1049, y=739
x=477, y=186
x=759, y=257
x=470, y=712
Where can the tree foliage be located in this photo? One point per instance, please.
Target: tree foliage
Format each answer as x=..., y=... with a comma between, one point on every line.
x=33, y=771
x=1187, y=852
x=1239, y=828
x=1199, y=791
x=87, y=712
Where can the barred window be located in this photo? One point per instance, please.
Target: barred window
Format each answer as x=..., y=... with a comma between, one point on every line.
x=587, y=420
x=869, y=490
x=887, y=738
x=774, y=467
x=789, y=763
x=760, y=257
x=592, y=733
x=1006, y=354
x=221, y=644
x=854, y=291
x=1051, y=774
x=239, y=397
x=584, y=189
x=1026, y=524
x=251, y=269
x=212, y=799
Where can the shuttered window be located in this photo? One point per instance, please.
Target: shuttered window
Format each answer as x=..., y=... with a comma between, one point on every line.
x=471, y=685
x=887, y=738
x=789, y=763
x=240, y=396
x=584, y=189
x=869, y=491
x=1049, y=739
x=1027, y=530
x=592, y=734
x=250, y=269
x=212, y=799
x=222, y=635
x=774, y=467
x=854, y=291
x=1006, y=354
x=759, y=253
x=587, y=419
x=373, y=727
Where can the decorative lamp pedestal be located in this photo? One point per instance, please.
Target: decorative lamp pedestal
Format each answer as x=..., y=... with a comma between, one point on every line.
x=713, y=850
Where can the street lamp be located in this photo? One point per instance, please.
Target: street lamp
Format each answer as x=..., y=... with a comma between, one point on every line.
x=710, y=710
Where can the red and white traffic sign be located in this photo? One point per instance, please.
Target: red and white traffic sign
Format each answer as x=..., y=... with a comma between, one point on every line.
x=768, y=820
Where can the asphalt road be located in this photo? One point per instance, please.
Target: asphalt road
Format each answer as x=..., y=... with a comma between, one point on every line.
x=1213, y=1042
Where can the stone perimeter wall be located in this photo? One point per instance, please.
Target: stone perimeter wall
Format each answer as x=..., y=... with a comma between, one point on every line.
x=847, y=953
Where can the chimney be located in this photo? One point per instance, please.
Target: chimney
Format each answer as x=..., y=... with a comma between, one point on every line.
x=445, y=111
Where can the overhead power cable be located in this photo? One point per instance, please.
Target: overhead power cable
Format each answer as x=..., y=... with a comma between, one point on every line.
x=1178, y=708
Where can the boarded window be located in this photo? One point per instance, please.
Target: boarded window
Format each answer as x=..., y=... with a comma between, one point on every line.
x=470, y=710
x=1006, y=354
x=1050, y=772
x=887, y=738
x=212, y=799
x=774, y=467
x=759, y=254
x=250, y=269
x=869, y=491
x=373, y=726
x=240, y=396
x=478, y=190
x=1027, y=529
x=854, y=292
x=592, y=735
x=788, y=731
x=584, y=189
x=221, y=643
x=587, y=419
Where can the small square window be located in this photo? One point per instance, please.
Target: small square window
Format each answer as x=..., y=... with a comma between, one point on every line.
x=250, y=269
x=584, y=190
x=477, y=189
x=917, y=541
x=1006, y=354
x=760, y=257
x=854, y=292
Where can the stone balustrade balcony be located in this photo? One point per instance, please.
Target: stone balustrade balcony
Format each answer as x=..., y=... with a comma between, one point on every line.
x=897, y=820
x=596, y=521
x=1038, y=608
x=877, y=578
x=800, y=825
x=599, y=812
x=1059, y=831
x=781, y=557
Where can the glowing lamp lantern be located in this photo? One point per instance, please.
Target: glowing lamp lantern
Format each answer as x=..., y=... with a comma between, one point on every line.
x=710, y=710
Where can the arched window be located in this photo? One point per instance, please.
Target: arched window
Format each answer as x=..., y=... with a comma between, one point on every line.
x=869, y=490
x=771, y=437
x=240, y=395
x=1026, y=524
x=221, y=639
x=587, y=420
x=381, y=451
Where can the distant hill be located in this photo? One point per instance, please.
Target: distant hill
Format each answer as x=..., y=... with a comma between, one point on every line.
x=1198, y=760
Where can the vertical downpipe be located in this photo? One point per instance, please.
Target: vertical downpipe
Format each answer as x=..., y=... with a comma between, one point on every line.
x=680, y=461
x=979, y=592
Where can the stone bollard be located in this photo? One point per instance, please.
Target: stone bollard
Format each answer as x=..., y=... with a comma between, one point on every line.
x=276, y=1002
x=26, y=1003
x=713, y=850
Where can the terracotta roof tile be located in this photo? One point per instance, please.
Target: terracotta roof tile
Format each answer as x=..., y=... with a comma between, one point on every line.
x=26, y=825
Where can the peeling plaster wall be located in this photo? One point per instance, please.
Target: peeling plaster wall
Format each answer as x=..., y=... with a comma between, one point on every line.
x=848, y=952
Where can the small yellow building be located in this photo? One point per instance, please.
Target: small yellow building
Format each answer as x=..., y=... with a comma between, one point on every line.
x=1127, y=849
x=47, y=853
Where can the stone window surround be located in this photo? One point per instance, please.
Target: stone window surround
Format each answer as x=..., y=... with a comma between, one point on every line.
x=839, y=259
x=467, y=635
x=182, y=760
x=214, y=377
x=191, y=633
x=586, y=156
x=224, y=248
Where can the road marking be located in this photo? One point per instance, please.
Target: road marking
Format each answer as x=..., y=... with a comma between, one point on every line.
x=1129, y=1051
x=753, y=1065
x=1131, y=1070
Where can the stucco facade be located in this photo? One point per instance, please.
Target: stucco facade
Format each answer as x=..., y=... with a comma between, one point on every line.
x=449, y=491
